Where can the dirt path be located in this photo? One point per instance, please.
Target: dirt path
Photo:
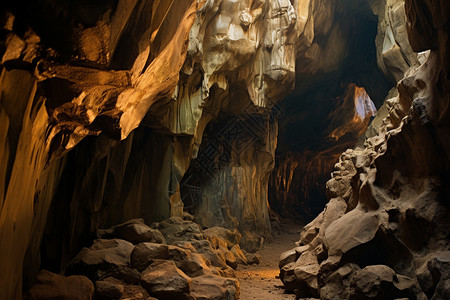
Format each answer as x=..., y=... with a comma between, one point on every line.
x=259, y=281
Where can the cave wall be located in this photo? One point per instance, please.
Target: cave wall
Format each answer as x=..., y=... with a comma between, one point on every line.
x=105, y=106
x=56, y=91
x=77, y=81
x=387, y=215
x=369, y=47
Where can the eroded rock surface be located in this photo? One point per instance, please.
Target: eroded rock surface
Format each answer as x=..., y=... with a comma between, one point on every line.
x=120, y=110
x=386, y=222
x=83, y=78
x=53, y=286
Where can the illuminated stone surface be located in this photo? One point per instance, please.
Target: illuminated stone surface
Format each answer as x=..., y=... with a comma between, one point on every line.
x=112, y=112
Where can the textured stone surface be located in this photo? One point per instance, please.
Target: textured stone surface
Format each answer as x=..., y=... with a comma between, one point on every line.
x=214, y=287
x=374, y=238
x=143, y=254
x=120, y=110
x=134, y=231
x=166, y=281
x=53, y=286
x=108, y=290
x=102, y=256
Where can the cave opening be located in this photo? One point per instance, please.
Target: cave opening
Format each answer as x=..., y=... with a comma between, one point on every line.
x=320, y=105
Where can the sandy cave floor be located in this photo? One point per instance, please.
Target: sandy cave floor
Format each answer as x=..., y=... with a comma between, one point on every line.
x=261, y=281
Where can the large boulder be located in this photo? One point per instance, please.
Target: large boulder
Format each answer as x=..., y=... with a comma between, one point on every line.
x=53, y=286
x=134, y=231
x=211, y=287
x=230, y=238
x=165, y=281
x=251, y=241
x=194, y=266
x=108, y=290
x=143, y=254
x=205, y=248
x=239, y=255
x=176, y=229
x=434, y=275
x=379, y=282
x=103, y=257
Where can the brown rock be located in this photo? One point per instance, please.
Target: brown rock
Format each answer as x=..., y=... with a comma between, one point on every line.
x=178, y=254
x=108, y=290
x=204, y=248
x=53, y=286
x=231, y=238
x=240, y=257
x=287, y=257
x=103, y=256
x=143, y=254
x=165, y=281
x=250, y=242
x=230, y=259
x=194, y=266
x=253, y=258
x=306, y=269
x=214, y=288
x=188, y=217
x=379, y=282
x=134, y=231
x=176, y=229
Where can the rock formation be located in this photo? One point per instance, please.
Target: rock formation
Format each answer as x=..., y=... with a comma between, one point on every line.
x=132, y=260
x=384, y=231
x=341, y=54
x=103, y=106
x=117, y=110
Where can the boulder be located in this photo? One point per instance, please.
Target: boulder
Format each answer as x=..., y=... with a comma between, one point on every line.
x=251, y=242
x=231, y=238
x=354, y=228
x=306, y=269
x=240, y=257
x=136, y=292
x=379, y=282
x=103, y=257
x=143, y=254
x=164, y=280
x=185, y=245
x=108, y=290
x=187, y=216
x=126, y=274
x=176, y=229
x=53, y=286
x=134, y=231
x=288, y=277
x=434, y=276
x=178, y=254
x=194, y=266
x=204, y=248
x=230, y=259
x=287, y=257
x=253, y=258
x=211, y=287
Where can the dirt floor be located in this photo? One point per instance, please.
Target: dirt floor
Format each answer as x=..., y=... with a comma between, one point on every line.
x=261, y=281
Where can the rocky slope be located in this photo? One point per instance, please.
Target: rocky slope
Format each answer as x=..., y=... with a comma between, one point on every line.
x=384, y=233
x=175, y=259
